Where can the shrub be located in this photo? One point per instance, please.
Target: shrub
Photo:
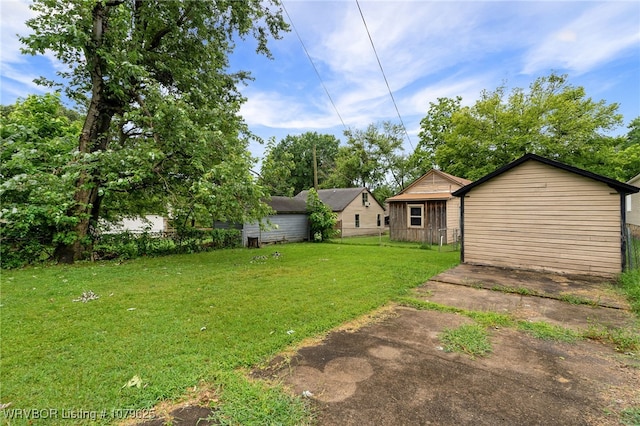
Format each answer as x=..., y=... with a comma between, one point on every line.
x=321, y=219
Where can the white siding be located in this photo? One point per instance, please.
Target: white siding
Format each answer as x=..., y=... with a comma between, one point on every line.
x=633, y=204
x=539, y=217
x=150, y=223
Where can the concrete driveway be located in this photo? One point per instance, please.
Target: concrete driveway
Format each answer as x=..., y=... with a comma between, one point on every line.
x=394, y=371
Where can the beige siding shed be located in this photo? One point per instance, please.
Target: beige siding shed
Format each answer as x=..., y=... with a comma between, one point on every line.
x=438, y=211
x=539, y=214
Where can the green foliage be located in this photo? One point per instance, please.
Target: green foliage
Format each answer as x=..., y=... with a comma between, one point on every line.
x=321, y=219
x=127, y=245
x=162, y=126
x=372, y=159
x=38, y=139
x=627, y=156
x=471, y=339
x=288, y=165
x=434, y=128
x=553, y=119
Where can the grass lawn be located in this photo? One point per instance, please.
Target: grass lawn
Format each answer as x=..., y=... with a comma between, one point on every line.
x=182, y=321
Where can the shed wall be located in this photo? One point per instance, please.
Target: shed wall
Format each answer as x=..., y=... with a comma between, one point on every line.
x=540, y=217
x=288, y=228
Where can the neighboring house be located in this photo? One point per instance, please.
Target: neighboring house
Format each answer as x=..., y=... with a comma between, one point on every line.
x=289, y=223
x=633, y=207
x=150, y=223
x=358, y=211
x=425, y=211
x=539, y=214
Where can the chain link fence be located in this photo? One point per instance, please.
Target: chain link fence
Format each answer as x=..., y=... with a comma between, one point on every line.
x=437, y=240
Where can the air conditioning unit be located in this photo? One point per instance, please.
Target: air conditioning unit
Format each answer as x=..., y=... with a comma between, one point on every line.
x=367, y=204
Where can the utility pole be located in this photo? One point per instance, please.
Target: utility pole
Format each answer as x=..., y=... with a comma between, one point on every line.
x=315, y=169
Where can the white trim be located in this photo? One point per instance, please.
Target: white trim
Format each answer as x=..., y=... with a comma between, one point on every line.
x=409, y=216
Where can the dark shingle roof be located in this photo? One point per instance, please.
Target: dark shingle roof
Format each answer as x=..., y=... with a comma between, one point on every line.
x=337, y=198
x=620, y=187
x=288, y=204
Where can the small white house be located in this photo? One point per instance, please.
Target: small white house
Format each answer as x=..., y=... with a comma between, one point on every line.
x=633, y=207
x=137, y=225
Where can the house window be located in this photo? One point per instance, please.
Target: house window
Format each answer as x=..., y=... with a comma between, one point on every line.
x=365, y=198
x=378, y=220
x=357, y=221
x=415, y=216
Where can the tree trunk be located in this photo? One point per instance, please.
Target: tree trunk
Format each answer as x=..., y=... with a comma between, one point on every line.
x=94, y=137
x=86, y=206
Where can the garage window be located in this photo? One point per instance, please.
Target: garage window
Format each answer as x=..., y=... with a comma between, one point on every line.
x=415, y=216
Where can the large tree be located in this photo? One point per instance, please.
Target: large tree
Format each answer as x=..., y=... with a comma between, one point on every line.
x=553, y=118
x=160, y=101
x=372, y=158
x=297, y=152
x=433, y=130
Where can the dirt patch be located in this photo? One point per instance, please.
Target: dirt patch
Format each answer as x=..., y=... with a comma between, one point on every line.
x=194, y=410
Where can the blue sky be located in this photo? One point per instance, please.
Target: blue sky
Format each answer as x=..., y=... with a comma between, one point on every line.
x=428, y=49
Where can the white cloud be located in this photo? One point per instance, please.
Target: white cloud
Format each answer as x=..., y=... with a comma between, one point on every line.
x=598, y=35
x=13, y=15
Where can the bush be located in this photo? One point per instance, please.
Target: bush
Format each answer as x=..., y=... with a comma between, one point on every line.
x=321, y=219
x=127, y=245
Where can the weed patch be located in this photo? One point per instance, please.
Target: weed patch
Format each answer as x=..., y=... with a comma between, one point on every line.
x=546, y=331
x=630, y=416
x=624, y=340
x=471, y=339
x=630, y=284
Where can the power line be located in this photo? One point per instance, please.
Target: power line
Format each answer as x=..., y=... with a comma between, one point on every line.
x=313, y=65
x=384, y=75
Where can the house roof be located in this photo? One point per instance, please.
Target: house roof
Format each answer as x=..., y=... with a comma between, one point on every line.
x=620, y=187
x=337, y=198
x=635, y=181
x=288, y=204
x=404, y=196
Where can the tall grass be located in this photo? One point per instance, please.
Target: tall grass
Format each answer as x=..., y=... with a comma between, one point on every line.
x=179, y=320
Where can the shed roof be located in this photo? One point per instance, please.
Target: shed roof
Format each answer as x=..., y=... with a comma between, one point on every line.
x=337, y=198
x=288, y=204
x=620, y=187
